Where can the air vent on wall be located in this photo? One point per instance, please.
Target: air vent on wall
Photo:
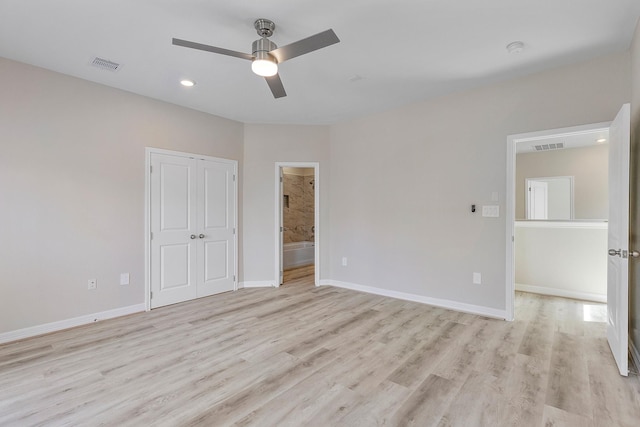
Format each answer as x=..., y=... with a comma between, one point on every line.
x=546, y=147
x=105, y=64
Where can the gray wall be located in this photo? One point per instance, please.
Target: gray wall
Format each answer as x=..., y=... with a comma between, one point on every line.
x=264, y=145
x=588, y=165
x=634, y=264
x=395, y=188
x=72, y=189
x=404, y=220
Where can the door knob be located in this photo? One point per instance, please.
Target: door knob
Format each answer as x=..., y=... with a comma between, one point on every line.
x=201, y=236
x=634, y=254
x=613, y=252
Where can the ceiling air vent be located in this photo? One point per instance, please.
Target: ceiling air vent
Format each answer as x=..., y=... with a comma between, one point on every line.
x=547, y=147
x=105, y=64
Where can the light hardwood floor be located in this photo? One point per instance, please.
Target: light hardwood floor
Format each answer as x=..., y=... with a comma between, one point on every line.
x=305, y=356
x=298, y=273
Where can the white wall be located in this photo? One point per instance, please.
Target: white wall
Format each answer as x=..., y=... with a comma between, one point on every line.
x=72, y=189
x=564, y=259
x=264, y=145
x=588, y=165
x=402, y=182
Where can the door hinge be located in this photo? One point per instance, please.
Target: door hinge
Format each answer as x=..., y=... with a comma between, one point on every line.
x=234, y=230
x=234, y=278
x=151, y=295
x=280, y=179
x=150, y=168
x=152, y=235
x=234, y=178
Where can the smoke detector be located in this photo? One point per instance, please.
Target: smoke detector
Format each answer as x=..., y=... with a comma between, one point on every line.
x=515, y=47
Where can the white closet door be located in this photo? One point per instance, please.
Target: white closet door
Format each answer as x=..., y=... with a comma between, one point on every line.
x=173, y=228
x=216, y=227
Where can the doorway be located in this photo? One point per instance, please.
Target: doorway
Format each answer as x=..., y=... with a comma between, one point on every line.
x=578, y=208
x=297, y=221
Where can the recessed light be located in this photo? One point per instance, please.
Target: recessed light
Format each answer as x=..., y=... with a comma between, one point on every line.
x=601, y=140
x=187, y=82
x=515, y=47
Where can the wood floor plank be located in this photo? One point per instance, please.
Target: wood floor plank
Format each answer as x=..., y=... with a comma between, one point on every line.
x=301, y=355
x=428, y=403
x=568, y=388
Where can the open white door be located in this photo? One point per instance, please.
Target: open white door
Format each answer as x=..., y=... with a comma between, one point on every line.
x=281, y=234
x=617, y=268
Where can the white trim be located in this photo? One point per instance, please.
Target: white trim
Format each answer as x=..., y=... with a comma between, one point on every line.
x=510, y=214
x=147, y=213
x=452, y=305
x=316, y=219
x=258, y=284
x=69, y=323
x=602, y=225
x=564, y=293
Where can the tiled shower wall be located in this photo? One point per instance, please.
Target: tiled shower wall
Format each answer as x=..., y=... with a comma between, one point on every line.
x=299, y=215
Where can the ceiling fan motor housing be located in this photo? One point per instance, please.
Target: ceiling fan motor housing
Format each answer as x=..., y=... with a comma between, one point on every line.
x=261, y=48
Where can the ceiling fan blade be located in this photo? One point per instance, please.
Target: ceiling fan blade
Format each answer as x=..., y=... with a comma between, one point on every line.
x=206, y=47
x=275, y=84
x=315, y=42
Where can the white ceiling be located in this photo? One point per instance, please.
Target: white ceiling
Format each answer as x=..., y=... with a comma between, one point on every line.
x=391, y=52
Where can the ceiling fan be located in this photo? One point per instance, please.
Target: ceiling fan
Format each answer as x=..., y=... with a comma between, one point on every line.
x=266, y=55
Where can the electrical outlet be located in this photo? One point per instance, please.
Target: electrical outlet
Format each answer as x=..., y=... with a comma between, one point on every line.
x=92, y=284
x=477, y=278
x=344, y=261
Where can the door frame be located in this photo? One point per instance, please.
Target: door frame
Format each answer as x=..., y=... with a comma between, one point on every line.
x=148, y=151
x=279, y=213
x=510, y=210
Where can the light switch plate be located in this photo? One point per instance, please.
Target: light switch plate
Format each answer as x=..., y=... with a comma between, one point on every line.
x=124, y=278
x=492, y=211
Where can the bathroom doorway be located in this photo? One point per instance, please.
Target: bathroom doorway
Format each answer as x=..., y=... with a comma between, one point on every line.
x=297, y=228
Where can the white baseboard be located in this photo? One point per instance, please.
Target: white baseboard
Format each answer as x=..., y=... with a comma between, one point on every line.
x=453, y=305
x=561, y=293
x=257, y=284
x=69, y=323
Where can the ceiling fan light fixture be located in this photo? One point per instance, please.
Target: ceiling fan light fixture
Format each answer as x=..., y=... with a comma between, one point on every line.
x=264, y=65
x=187, y=82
